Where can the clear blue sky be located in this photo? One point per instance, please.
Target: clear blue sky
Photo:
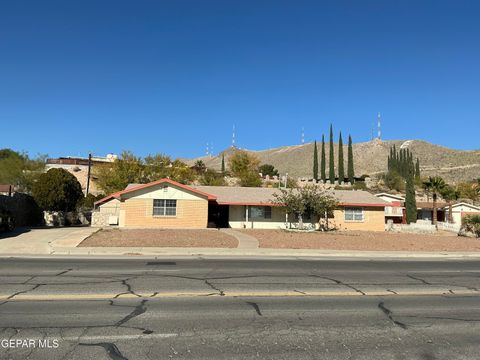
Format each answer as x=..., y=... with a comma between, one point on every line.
x=169, y=76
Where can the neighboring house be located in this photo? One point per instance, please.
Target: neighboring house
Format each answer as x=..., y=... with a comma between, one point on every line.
x=425, y=210
x=7, y=189
x=461, y=209
x=168, y=204
x=78, y=166
x=396, y=210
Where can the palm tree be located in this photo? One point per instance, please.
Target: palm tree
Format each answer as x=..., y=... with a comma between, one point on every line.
x=450, y=194
x=435, y=185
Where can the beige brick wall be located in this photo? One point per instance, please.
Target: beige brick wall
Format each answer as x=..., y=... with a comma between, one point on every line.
x=190, y=214
x=374, y=220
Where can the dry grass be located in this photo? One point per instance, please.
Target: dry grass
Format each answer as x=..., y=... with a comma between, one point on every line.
x=208, y=238
x=363, y=240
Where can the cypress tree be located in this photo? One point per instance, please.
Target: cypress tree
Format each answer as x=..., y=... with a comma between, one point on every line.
x=341, y=169
x=322, y=161
x=331, y=165
x=410, y=202
x=223, y=163
x=350, y=169
x=315, y=161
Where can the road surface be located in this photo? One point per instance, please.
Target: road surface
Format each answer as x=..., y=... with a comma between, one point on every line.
x=239, y=309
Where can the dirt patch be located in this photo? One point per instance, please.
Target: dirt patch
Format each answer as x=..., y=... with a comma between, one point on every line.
x=160, y=238
x=363, y=240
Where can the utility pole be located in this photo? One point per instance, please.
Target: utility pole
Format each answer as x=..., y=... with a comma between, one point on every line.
x=379, y=128
x=303, y=135
x=88, y=173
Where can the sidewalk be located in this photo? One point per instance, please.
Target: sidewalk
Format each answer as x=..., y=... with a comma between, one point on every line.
x=63, y=242
x=42, y=241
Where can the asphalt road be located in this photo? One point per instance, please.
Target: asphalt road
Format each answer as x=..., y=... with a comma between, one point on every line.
x=239, y=309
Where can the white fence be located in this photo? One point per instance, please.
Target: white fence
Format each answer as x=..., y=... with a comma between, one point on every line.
x=448, y=227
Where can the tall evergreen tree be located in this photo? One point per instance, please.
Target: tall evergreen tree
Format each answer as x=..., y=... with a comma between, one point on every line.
x=315, y=161
x=410, y=202
x=323, y=174
x=341, y=169
x=350, y=168
x=223, y=163
x=331, y=165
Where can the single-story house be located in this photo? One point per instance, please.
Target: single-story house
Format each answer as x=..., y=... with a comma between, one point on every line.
x=7, y=189
x=425, y=210
x=460, y=210
x=168, y=204
x=395, y=211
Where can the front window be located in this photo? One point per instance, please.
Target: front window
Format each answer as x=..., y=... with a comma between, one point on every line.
x=354, y=214
x=261, y=212
x=164, y=207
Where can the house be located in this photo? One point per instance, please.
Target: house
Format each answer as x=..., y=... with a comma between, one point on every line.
x=461, y=209
x=168, y=204
x=425, y=210
x=7, y=189
x=396, y=210
x=79, y=167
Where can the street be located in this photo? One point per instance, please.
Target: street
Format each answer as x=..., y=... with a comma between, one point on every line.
x=301, y=308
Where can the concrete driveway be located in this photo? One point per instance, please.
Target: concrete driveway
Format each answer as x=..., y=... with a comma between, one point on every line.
x=41, y=241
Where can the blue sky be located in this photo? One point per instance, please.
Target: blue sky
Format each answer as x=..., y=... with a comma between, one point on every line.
x=170, y=76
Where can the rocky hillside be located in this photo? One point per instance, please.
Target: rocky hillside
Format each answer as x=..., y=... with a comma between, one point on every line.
x=370, y=158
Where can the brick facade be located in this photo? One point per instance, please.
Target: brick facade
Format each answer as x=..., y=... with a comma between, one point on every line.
x=137, y=212
x=374, y=220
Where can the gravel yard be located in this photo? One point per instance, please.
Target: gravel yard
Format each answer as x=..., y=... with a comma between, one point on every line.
x=363, y=240
x=160, y=238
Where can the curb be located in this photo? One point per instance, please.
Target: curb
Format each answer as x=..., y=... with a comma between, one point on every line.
x=132, y=252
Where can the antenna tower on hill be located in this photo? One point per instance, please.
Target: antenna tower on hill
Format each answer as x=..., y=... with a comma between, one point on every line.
x=379, y=129
x=233, y=136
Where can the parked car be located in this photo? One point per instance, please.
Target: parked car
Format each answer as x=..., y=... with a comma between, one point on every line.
x=7, y=222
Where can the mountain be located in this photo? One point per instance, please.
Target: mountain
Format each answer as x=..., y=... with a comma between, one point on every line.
x=369, y=158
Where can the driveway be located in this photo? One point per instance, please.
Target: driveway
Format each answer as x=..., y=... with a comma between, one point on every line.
x=41, y=241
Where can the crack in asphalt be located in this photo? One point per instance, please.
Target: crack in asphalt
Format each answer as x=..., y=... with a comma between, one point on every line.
x=24, y=291
x=220, y=292
x=129, y=289
x=138, y=310
x=64, y=272
x=419, y=279
x=339, y=282
x=112, y=350
x=444, y=318
x=255, y=306
x=389, y=314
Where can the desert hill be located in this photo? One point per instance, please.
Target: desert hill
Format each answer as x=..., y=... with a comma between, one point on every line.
x=369, y=158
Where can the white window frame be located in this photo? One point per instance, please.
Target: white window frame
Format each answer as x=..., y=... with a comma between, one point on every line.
x=164, y=207
x=354, y=214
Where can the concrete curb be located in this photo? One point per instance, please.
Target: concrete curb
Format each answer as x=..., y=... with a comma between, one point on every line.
x=262, y=252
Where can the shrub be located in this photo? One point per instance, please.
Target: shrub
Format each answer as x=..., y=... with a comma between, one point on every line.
x=57, y=190
x=471, y=223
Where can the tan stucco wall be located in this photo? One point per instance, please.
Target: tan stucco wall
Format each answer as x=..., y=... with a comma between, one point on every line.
x=374, y=220
x=190, y=214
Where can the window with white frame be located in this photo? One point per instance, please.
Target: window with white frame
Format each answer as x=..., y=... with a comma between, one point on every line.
x=164, y=207
x=354, y=214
